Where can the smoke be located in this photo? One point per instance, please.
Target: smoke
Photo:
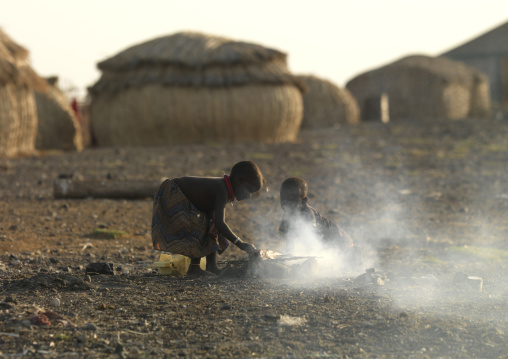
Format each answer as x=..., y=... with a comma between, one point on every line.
x=310, y=256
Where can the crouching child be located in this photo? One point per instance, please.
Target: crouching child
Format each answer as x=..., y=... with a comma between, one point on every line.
x=189, y=214
x=299, y=216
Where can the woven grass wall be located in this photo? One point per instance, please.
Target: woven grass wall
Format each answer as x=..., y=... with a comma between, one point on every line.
x=18, y=121
x=162, y=115
x=327, y=105
x=426, y=87
x=504, y=81
x=18, y=115
x=191, y=87
x=57, y=127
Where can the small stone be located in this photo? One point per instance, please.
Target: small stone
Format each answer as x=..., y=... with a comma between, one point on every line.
x=55, y=302
x=4, y=305
x=100, y=268
x=10, y=299
x=90, y=326
x=329, y=299
x=119, y=349
x=26, y=323
x=226, y=307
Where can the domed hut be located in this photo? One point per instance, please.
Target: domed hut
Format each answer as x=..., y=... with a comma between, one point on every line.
x=58, y=127
x=191, y=87
x=327, y=105
x=18, y=114
x=425, y=87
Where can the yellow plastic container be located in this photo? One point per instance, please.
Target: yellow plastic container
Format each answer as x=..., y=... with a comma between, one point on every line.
x=175, y=264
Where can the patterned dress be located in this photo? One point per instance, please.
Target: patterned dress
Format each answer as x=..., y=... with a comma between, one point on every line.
x=178, y=227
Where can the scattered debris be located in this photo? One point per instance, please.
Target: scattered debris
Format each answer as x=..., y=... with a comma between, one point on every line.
x=42, y=317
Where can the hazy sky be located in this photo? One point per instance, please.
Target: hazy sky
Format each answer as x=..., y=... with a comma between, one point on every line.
x=332, y=39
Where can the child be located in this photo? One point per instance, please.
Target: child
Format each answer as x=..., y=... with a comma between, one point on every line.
x=293, y=200
x=189, y=214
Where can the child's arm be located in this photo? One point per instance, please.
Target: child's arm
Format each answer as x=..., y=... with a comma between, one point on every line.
x=223, y=228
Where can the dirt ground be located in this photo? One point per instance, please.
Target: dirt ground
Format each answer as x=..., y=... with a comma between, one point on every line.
x=427, y=201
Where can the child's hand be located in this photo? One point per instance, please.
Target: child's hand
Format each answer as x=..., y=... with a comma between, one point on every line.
x=247, y=247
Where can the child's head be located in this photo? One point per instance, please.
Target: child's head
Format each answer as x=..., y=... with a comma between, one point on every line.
x=293, y=194
x=246, y=179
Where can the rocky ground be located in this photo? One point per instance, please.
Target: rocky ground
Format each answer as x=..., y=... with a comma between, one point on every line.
x=427, y=202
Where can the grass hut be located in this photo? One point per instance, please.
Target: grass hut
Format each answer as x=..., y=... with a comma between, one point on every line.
x=425, y=87
x=327, y=105
x=18, y=114
x=58, y=127
x=191, y=87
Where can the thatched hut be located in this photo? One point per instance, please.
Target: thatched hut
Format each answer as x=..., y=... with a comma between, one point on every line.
x=425, y=87
x=58, y=127
x=191, y=87
x=327, y=105
x=18, y=114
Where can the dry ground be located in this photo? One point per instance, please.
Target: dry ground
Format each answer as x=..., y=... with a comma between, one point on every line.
x=426, y=200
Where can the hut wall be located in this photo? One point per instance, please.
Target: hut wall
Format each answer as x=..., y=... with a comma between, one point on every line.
x=480, y=99
x=155, y=115
x=18, y=120
x=57, y=127
x=455, y=102
x=413, y=93
x=327, y=105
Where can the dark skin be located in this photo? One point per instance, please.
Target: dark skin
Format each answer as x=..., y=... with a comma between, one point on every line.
x=291, y=200
x=210, y=195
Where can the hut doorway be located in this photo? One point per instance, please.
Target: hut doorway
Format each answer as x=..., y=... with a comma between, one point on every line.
x=504, y=77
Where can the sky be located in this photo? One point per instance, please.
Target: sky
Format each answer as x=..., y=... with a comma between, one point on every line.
x=332, y=39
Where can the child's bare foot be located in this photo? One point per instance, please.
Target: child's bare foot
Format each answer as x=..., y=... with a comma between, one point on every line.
x=213, y=269
x=196, y=271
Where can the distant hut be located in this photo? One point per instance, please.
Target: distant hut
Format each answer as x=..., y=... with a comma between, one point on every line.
x=191, y=87
x=18, y=114
x=425, y=87
x=58, y=127
x=489, y=54
x=327, y=105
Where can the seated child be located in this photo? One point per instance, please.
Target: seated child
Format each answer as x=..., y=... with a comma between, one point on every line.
x=189, y=214
x=293, y=200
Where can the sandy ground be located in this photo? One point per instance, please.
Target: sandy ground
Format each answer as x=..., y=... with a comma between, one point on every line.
x=427, y=201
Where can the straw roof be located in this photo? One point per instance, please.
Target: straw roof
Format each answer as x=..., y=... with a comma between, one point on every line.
x=421, y=86
x=15, y=67
x=191, y=87
x=327, y=105
x=193, y=59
